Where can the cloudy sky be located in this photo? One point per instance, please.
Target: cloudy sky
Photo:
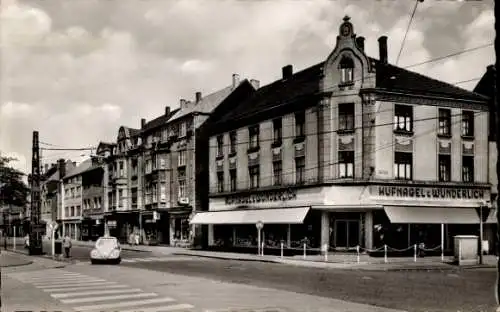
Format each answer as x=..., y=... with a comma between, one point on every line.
x=77, y=70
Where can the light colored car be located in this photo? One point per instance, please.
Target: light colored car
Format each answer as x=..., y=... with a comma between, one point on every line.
x=107, y=249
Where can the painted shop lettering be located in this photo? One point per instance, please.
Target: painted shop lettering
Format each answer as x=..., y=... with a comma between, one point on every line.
x=430, y=192
x=261, y=197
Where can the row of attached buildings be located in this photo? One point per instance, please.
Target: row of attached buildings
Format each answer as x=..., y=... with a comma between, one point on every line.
x=350, y=151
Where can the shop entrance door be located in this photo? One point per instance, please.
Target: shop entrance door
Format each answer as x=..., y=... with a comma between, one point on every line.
x=346, y=234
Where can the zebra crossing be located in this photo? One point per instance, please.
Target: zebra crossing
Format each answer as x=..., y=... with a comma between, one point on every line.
x=86, y=293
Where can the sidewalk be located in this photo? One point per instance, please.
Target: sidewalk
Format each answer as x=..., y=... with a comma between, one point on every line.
x=8, y=259
x=30, y=261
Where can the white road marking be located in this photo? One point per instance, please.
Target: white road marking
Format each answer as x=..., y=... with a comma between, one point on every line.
x=94, y=292
x=72, y=285
x=106, y=285
x=101, y=307
x=74, y=288
x=174, y=307
x=59, y=284
x=109, y=298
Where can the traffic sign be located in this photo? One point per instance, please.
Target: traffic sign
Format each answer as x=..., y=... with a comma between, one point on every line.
x=259, y=225
x=485, y=213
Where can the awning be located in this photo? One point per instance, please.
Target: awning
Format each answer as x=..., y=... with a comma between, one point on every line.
x=267, y=216
x=435, y=215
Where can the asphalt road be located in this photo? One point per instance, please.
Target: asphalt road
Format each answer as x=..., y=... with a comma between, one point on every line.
x=468, y=290
x=82, y=253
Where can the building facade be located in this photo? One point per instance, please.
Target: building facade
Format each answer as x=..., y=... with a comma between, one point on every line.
x=94, y=197
x=124, y=185
x=72, y=200
x=352, y=151
x=51, y=195
x=172, y=144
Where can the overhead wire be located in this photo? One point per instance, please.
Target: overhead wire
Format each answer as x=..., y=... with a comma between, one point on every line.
x=322, y=164
x=360, y=79
x=407, y=30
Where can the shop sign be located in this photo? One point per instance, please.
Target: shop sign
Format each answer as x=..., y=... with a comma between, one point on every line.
x=267, y=196
x=111, y=223
x=430, y=192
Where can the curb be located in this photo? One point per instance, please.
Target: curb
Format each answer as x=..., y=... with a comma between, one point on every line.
x=16, y=265
x=42, y=257
x=353, y=267
x=226, y=258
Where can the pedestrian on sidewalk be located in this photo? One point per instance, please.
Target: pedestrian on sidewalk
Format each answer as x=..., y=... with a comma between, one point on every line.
x=67, y=246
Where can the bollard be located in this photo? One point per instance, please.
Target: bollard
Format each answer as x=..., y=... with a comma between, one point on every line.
x=385, y=253
x=305, y=246
x=415, y=253
x=14, y=242
x=442, y=253
x=325, y=248
x=282, y=250
x=262, y=249
x=357, y=251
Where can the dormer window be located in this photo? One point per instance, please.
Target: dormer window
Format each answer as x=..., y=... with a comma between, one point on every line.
x=346, y=70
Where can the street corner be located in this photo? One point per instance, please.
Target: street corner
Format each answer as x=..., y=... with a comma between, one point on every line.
x=11, y=259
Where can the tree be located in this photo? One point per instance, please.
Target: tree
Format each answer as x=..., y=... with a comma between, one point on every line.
x=13, y=190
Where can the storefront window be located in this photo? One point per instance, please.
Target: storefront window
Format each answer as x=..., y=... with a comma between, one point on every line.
x=223, y=235
x=181, y=228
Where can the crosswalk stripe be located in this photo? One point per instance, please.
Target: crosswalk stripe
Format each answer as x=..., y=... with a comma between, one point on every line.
x=100, y=307
x=57, y=283
x=128, y=260
x=106, y=285
x=72, y=285
x=169, y=308
x=53, y=278
x=109, y=298
x=93, y=292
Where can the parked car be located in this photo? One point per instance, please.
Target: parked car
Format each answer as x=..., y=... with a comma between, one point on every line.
x=107, y=250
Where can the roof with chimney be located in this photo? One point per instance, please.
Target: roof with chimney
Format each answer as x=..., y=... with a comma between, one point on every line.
x=56, y=176
x=277, y=95
x=82, y=167
x=393, y=78
x=206, y=104
x=159, y=121
x=485, y=85
x=294, y=90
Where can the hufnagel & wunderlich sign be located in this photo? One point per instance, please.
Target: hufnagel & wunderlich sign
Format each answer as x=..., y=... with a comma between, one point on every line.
x=430, y=192
x=267, y=196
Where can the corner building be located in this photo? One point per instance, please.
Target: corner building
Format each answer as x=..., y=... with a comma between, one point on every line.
x=351, y=151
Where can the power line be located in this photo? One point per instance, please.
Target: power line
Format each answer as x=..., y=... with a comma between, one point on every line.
x=359, y=79
x=451, y=55
x=68, y=149
x=407, y=30
x=328, y=163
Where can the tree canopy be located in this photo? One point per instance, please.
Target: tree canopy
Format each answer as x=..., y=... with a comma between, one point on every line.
x=13, y=190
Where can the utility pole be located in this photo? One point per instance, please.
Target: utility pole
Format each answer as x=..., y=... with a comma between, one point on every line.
x=36, y=229
x=497, y=138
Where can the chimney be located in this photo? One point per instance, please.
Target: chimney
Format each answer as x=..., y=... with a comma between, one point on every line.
x=143, y=122
x=287, y=71
x=360, y=42
x=167, y=110
x=236, y=80
x=183, y=103
x=61, y=167
x=255, y=83
x=198, y=97
x=382, y=48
